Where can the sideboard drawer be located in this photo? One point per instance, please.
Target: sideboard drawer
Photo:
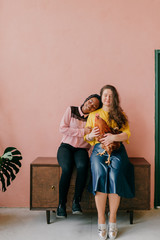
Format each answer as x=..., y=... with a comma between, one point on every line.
x=44, y=186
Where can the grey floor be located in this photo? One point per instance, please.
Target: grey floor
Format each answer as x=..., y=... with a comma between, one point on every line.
x=21, y=224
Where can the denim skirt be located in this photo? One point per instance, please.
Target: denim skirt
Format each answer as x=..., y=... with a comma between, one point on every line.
x=117, y=177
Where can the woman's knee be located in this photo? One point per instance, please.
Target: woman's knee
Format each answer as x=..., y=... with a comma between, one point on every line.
x=81, y=161
x=82, y=167
x=98, y=168
x=95, y=162
x=66, y=170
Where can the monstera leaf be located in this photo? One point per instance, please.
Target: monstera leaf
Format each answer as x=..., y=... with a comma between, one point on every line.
x=9, y=166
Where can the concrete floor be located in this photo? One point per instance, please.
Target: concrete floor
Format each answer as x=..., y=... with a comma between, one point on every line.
x=22, y=224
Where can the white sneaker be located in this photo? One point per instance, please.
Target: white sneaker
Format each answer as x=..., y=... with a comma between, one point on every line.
x=102, y=233
x=112, y=231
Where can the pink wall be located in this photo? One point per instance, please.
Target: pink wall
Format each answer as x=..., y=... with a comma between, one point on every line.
x=54, y=54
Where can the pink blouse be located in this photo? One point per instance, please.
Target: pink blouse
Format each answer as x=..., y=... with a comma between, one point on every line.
x=72, y=127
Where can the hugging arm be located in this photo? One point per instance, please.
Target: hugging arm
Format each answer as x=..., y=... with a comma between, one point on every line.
x=110, y=138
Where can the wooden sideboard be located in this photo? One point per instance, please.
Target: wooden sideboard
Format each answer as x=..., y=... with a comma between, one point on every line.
x=45, y=174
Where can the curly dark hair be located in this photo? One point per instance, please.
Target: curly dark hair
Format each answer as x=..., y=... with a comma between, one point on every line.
x=116, y=112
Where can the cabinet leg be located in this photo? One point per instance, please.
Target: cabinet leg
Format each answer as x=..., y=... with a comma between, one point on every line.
x=131, y=216
x=48, y=216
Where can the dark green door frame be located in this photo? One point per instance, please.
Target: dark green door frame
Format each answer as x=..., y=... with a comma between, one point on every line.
x=157, y=129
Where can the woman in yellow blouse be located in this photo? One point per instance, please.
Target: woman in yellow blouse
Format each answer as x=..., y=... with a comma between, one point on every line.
x=116, y=179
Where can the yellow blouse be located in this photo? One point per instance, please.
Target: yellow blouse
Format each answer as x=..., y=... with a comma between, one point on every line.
x=103, y=114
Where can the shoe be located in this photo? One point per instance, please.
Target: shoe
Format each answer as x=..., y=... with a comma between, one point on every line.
x=61, y=211
x=76, y=208
x=112, y=231
x=102, y=233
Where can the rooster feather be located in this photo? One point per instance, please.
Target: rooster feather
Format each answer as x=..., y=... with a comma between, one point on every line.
x=104, y=128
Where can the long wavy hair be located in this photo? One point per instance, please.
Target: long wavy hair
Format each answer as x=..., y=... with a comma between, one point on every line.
x=116, y=112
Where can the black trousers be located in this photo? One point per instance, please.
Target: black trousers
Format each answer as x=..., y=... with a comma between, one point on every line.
x=68, y=157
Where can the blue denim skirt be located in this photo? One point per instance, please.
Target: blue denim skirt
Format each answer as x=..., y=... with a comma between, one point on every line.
x=117, y=177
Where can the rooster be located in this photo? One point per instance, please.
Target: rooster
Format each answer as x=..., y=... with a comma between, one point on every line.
x=104, y=128
x=9, y=166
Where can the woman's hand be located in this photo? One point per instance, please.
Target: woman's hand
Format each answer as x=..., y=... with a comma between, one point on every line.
x=87, y=130
x=107, y=139
x=110, y=138
x=94, y=133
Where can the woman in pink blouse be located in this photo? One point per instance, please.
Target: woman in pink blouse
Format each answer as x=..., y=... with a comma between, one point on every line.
x=73, y=151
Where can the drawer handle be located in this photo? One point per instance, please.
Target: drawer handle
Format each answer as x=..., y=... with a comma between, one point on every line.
x=53, y=188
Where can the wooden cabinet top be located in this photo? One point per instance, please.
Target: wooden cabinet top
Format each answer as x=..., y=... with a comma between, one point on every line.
x=45, y=161
x=139, y=161
x=53, y=161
